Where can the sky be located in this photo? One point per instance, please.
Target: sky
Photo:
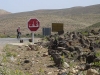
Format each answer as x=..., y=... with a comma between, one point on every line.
x=16, y=6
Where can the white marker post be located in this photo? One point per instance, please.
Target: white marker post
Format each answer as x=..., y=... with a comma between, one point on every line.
x=33, y=37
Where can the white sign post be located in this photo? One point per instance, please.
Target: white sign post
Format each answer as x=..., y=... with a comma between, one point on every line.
x=33, y=37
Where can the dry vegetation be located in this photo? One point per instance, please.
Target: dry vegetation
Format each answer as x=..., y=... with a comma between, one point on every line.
x=73, y=19
x=21, y=60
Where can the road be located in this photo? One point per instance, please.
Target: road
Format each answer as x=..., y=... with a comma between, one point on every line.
x=4, y=41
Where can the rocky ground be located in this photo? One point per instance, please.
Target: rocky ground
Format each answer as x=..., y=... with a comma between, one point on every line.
x=46, y=58
x=24, y=59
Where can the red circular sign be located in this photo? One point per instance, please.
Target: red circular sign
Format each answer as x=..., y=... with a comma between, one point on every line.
x=33, y=24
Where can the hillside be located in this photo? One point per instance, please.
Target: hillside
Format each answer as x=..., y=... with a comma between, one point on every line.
x=95, y=27
x=73, y=18
x=3, y=12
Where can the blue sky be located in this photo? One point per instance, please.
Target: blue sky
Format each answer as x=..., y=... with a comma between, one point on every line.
x=16, y=6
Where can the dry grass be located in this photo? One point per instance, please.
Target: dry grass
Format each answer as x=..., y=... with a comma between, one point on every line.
x=14, y=59
x=73, y=19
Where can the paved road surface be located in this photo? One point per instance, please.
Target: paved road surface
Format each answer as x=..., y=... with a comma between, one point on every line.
x=4, y=41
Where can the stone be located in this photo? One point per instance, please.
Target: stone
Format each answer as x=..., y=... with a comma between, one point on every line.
x=45, y=54
x=21, y=40
x=62, y=72
x=49, y=73
x=74, y=71
x=66, y=65
x=92, y=72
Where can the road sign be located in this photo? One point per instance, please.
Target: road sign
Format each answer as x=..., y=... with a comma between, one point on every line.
x=46, y=31
x=57, y=27
x=33, y=24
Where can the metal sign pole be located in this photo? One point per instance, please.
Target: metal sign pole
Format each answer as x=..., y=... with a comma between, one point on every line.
x=33, y=37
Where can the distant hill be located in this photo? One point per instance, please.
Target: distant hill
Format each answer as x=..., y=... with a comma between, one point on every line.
x=95, y=27
x=73, y=19
x=93, y=9
x=3, y=12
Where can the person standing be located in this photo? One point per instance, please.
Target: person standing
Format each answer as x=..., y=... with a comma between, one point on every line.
x=18, y=33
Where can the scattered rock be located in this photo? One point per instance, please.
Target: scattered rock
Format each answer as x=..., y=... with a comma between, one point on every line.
x=92, y=72
x=66, y=65
x=45, y=54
